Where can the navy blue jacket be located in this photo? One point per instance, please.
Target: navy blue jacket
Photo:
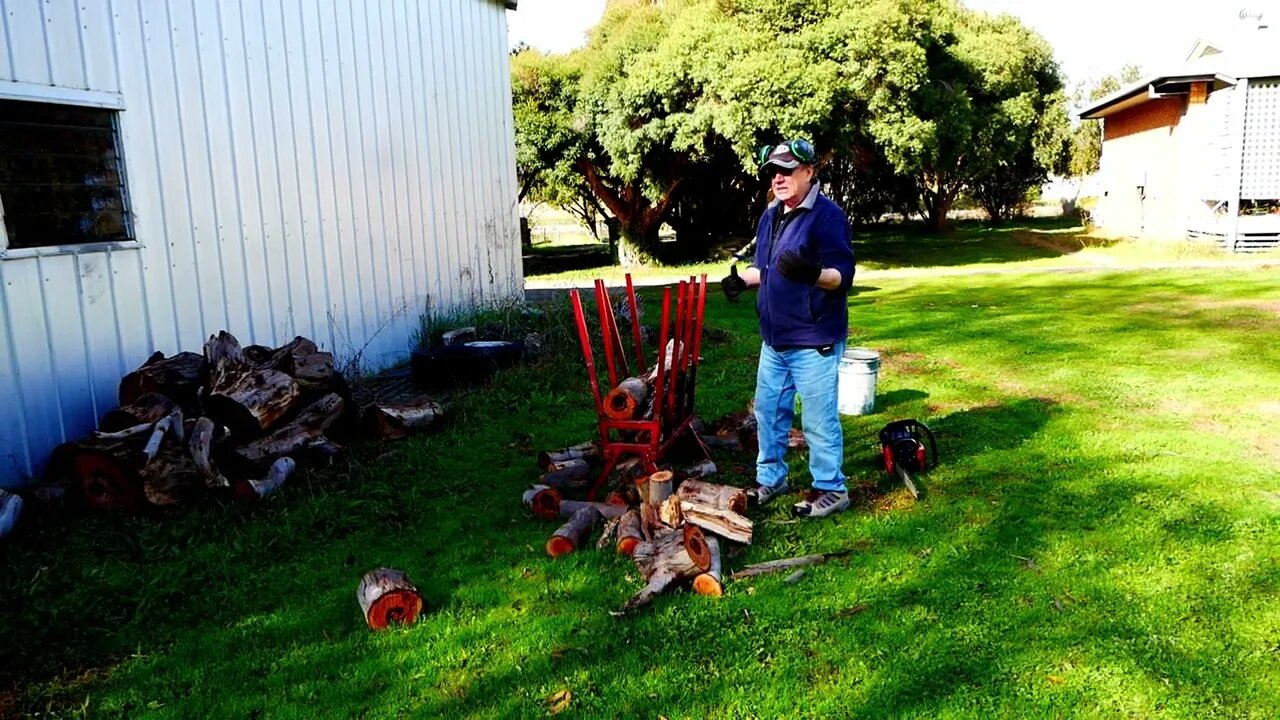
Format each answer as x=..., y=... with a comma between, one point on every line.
x=792, y=314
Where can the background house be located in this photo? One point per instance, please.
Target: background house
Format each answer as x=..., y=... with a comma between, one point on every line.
x=1195, y=151
x=327, y=168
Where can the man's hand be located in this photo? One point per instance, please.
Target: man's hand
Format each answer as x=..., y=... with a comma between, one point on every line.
x=796, y=268
x=732, y=285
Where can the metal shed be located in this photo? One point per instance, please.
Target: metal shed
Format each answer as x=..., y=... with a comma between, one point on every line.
x=171, y=168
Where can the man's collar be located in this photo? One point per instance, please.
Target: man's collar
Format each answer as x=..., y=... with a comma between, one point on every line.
x=809, y=200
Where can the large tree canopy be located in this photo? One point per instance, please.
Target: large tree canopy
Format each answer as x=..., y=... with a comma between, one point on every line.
x=660, y=115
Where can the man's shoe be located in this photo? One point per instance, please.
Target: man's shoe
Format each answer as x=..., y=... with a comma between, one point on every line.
x=821, y=504
x=762, y=494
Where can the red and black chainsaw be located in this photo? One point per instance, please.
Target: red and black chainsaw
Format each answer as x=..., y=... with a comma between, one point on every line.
x=908, y=447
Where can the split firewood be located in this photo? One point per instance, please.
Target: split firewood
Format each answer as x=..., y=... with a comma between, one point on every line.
x=786, y=564
x=543, y=501
x=702, y=469
x=626, y=401
x=711, y=582
x=660, y=487
x=568, y=474
x=147, y=409
x=672, y=556
x=276, y=477
x=670, y=513
x=574, y=533
x=725, y=523
x=200, y=446
x=178, y=378
x=725, y=497
x=246, y=398
x=630, y=533
x=394, y=421
x=583, y=451
x=301, y=434
x=387, y=597
x=606, y=510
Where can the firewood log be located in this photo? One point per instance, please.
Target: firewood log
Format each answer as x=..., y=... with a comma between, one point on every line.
x=394, y=421
x=606, y=510
x=574, y=533
x=178, y=378
x=672, y=556
x=625, y=401
x=200, y=446
x=583, y=451
x=629, y=533
x=569, y=474
x=245, y=398
x=170, y=477
x=725, y=497
x=725, y=523
x=543, y=501
x=101, y=471
x=148, y=408
x=670, y=512
x=387, y=597
x=660, y=487
x=299, y=435
x=276, y=477
x=711, y=582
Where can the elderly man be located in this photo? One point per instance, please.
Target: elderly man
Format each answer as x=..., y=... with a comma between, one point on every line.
x=803, y=268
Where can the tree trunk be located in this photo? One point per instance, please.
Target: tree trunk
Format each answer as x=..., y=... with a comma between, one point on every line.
x=307, y=428
x=711, y=582
x=178, y=378
x=574, y=533
x=638, y=247
x=724, y=497
x=243, y=397
x=386, y=596
x=395, y=421
x=673, y=555
x=147, y=408
x=629, y=532
x=937, y=206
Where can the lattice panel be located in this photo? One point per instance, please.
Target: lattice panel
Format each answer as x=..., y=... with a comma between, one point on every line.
x=1260, y=176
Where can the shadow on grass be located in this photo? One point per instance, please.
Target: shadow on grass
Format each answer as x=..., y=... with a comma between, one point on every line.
x=911, y=246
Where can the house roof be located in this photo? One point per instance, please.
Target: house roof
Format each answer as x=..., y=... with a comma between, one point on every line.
x=1207, y=61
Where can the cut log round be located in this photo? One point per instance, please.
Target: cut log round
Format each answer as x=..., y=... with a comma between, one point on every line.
x=626, y=401
x=148, y=408
x=725, y=523
x=543, y=501
x=394, y=421
x=178, y=378
x=243, y=397
x=711, y=582
x=660, y=487
x=387, y=597
x=725, y=497
x=629, y=533
x=305, y=431
x=574, y=533
x=569, y=474
x=583, y=451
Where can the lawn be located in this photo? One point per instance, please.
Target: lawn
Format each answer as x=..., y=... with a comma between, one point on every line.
x=1101, y=539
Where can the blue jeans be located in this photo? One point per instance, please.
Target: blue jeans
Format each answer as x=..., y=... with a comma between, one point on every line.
x=814, y=375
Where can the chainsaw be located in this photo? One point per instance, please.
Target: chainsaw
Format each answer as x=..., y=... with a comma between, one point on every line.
x=908, y=447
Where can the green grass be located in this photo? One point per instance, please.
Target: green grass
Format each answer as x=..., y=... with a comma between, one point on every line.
x=1101, y=540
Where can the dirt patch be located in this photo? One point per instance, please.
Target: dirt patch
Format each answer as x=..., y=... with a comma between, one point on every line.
x=905, y=363
x=1269, y=307
x=1061, y=244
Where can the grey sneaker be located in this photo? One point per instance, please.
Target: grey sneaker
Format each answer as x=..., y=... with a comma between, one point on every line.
x=763, y=494
x=821, y=504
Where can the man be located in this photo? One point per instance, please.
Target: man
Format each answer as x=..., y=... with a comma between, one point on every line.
x=803, y=268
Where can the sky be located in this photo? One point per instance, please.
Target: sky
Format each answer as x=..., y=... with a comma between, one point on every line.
x=1091, y=38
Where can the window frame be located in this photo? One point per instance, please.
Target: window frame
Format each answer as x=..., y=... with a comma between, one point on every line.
x=49, y=94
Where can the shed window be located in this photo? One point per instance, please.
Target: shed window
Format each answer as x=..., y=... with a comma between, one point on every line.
x=61, y=178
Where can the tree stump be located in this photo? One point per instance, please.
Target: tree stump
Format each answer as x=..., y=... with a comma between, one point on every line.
x=711, y=582
x=147, y=408
x=724, y=497
x=387, y=597
x=574, y=533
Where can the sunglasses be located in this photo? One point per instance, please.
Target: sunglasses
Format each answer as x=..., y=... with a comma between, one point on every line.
x=802, y=149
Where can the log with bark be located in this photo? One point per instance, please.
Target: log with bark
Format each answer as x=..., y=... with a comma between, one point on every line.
x=582, y=451
x=102, y=472
x=724, y=497
x=147, y=408
x=608, y=511
x=711, y=582
x=303, y=432
x=660, y=487
x=568, y=474
x=544, y=501
x=178, y=378
x=786, y=564
x=392, y=421
x=627, y=400
x=630, y=533
x=387, y=597
x=672, y=556
x=170, y=477
x=243, y=396
x=574, y=533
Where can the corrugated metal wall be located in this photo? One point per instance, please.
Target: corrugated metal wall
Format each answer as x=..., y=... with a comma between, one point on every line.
x=329, y=168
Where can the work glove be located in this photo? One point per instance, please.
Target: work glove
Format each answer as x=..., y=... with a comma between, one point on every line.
x=732, y=285
x=797, y=268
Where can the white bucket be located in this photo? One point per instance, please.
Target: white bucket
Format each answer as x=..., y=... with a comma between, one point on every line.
x=856, y=391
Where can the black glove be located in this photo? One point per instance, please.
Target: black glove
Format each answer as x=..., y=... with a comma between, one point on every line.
x=797, y=268
x=732, y=285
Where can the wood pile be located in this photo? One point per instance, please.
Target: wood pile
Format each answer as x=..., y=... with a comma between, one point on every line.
x=671, y=523
x=230, y=420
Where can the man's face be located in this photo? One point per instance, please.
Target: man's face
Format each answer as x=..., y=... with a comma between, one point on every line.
x=791, y=186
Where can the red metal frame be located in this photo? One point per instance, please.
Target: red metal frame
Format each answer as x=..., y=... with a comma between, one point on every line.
x=674, y=386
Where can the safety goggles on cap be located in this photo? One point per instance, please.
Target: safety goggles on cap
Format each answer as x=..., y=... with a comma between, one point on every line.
x=789, y=155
